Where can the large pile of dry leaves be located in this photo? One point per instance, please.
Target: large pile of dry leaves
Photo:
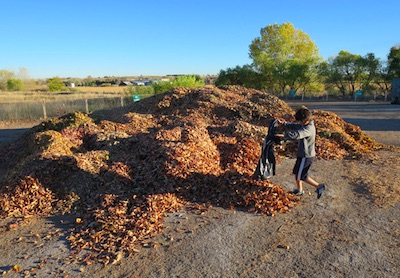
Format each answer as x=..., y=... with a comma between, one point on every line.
x=121, y=170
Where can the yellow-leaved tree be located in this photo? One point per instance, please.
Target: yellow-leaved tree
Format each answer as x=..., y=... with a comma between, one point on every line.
x=286, y=57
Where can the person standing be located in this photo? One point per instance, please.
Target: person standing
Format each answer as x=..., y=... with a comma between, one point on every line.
x=304, y=132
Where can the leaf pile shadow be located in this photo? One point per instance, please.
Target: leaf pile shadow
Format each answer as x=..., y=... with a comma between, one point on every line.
x=122, y=170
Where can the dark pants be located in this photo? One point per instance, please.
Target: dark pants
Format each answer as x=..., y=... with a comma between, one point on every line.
x=302, y=166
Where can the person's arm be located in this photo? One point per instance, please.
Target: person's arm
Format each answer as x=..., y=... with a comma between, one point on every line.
x=302, y=132
x=293, y=133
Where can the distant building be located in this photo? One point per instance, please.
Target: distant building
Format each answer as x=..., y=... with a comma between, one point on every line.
x=143, y=82
x=139, y=83
x=125, y=83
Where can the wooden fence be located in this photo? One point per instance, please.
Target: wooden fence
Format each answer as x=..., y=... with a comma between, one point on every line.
x=49, y=109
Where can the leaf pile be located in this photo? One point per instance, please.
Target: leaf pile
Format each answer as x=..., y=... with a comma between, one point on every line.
x=336, y=139
x=29, y=197
x=121, y=170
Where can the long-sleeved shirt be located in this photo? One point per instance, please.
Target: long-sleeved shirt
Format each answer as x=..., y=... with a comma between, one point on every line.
x=305, y=136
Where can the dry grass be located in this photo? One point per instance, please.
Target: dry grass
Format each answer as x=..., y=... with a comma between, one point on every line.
x=107, y=89
x=78, y=93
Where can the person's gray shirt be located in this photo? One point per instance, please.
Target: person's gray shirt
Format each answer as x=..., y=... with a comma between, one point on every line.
x=306, y=137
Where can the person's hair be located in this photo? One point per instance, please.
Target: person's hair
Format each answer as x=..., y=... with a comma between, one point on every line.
x=303, y=114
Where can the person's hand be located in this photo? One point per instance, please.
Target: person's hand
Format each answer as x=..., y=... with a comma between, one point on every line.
x=280, y=122
x=279, y=138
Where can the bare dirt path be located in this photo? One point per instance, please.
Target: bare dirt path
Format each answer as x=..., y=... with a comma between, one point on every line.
x=346, y=233
x=341, y=235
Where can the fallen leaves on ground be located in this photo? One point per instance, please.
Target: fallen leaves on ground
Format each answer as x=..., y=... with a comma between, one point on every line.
x=122, y=170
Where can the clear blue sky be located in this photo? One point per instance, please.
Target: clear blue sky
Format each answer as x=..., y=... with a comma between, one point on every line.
x=118, y=38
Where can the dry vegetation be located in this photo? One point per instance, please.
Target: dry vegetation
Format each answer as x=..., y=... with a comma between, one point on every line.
x=106, y=89
x=122, y=170
x=77, y=93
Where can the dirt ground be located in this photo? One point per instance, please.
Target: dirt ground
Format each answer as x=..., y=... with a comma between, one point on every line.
x=352, y=231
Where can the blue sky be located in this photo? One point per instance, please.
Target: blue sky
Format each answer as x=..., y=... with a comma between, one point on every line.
x=124, y=38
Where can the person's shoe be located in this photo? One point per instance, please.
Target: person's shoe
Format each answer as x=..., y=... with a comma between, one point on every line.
x=298, y=192
x=320, y=190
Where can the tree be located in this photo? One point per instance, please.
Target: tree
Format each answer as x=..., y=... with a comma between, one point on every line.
x=5, y=75
x=55, y=84
x=285, y=56
x=245, y=76
x=343, y=72
x=15, y=85
x=350, y=72
x=394, y=62
x=88, y=81
x=23, y=74
x=383, y=79
x=370, y=71
x=387, y=70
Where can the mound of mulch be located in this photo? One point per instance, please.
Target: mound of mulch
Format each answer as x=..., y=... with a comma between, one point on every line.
x=122, y=170
x=336, y=139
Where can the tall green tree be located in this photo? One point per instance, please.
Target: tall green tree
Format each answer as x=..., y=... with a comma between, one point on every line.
x=344, y=71
x=394, y=62
x=370, y=71
x=245, y=76
x=285, y=56
x=351, y=72
x=383, y=80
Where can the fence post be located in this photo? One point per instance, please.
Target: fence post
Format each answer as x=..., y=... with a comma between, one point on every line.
x=122, y=101
x=86, y=106
x=44, y=109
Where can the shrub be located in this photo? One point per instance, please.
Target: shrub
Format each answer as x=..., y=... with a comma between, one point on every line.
x=189, y=81
x=140, y=90
x=55, y=84
x=15, y=85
